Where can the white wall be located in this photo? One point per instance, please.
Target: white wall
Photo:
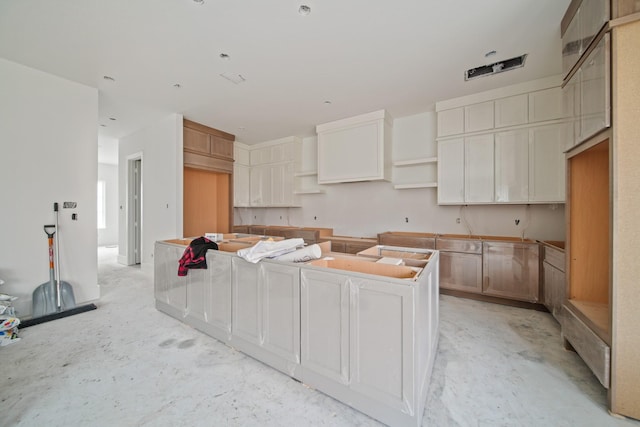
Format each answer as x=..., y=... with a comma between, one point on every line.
x=369, y=208
x=109, y=174
x=160, y=146
x=48, y=153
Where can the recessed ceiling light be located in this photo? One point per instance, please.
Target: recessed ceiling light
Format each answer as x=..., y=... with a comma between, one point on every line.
x=177, y=85
x=103, y=125
x=109, y=78
x=490, y=53
x=327, y=102
x=112, y=119
x=304, y=10
x=225, y=56
x=198, y=1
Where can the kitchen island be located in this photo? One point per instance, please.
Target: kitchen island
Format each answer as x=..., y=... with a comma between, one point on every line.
x=360, y=328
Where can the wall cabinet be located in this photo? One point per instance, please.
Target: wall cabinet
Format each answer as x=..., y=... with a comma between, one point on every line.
x=580, y=28
x=511, y=270
x=270, y=178
x=355, y=149
x=206, y=141
x=511, y=147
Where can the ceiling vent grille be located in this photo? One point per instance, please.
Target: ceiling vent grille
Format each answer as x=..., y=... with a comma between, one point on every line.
x=495, y=68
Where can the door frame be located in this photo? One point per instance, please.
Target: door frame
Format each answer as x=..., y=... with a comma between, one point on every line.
x=132, y=259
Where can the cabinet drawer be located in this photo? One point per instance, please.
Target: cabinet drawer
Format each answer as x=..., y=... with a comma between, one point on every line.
x=310, y=236
x=554, y=257
x=595, y=352
x=408, y=240
x=459, y=245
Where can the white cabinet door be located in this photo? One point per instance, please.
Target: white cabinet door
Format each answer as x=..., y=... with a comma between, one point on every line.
x=260, y=186
x=451, y=122
x=280, y=287
x=511, y=111
x=169, y=288
x=571, y=44
x=246, y=301
x=241, y=185
x=478, y=117
x=512, y=166
x=381, y=342
x=547, y=162
x=594, y=91
x=451, y=171
x=593, y=15
x=548, y=105
x=572, y=104
x=282, y=184
x=478, y=168
x=325, y=306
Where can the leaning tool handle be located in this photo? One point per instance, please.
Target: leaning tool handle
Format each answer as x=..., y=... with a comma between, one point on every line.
x=57, y=270
x=47, y=229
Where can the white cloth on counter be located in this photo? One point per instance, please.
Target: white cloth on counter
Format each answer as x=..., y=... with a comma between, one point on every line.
x=302, y=255
x=269, y=249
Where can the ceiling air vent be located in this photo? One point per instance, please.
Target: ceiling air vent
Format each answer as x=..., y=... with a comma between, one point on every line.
x=495, y=68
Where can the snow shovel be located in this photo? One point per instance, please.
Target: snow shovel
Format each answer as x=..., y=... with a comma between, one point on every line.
x=55, y=295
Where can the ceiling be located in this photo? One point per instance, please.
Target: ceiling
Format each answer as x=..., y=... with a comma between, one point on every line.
x=343, y=59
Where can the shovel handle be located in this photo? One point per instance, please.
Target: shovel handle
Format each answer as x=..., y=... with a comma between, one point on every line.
x=50, y=227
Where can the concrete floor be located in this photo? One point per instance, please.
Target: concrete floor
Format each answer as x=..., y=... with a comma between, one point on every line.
x=126, y=364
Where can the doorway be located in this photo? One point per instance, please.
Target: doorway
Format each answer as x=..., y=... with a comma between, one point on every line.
x=134, y=210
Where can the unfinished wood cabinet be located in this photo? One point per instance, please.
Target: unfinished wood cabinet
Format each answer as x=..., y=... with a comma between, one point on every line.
x=207, y=141
x=460, y=263
x=408, y=239
x=349, y=245
x=602, y=313
x=553, y=283
x=511, y=269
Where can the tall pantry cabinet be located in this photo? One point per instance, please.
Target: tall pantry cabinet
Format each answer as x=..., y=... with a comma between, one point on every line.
x=599, y=319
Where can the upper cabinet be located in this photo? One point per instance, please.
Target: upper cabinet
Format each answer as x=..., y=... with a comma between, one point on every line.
x=207, y=148
x=580, y=28
x=504, y=145
x=355, y=149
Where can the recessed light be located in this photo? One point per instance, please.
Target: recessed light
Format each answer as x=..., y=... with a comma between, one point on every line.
x=109, y=78
x=225, y=57
x=198, y=1
x=177, y=85
x=327, y=102
x=490, y=53
x=112, y=119
x=304, y=10
x=103, y=125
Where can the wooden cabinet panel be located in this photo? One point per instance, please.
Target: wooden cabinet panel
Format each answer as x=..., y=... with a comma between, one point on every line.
x=478, y=117
x=554, y=288
x=512, y=166
x=547, y=162
x=221, y=147
x=511, y=111
x=451, y=171
x=206, y=202
x=325, y=324
x=547, y=105
x=479, y=169
x=407, y=240
x=460, y=271
x=511, y=270
x=196, y=141
x=451, y=122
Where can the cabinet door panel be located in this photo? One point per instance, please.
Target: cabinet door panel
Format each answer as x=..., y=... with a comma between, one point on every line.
x=451, y=122
x=478, y=117
x=451, y=171
x=512, y=166
x=547, y=162
x=511, y=270
x=593, y=15
x=218, y=297
x=571, y=44
x=169, y=288
x=221, y=147
x=246, y=297
x=554, y=289
x=479, y=168
x=260, y=186
x=594, y=91
x=196, y=141
x=511, y=111
x=325, y=324
x=462, y=272
x=241, y=185
x=281, y=310
x=548, y=105
x=381, y=356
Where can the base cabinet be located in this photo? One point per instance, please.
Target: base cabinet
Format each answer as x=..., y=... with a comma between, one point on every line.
x=511, y=270
x=170, y=289
x=461, y=272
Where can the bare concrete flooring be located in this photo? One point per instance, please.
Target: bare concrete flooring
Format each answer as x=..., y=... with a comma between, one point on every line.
x=126, y=364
